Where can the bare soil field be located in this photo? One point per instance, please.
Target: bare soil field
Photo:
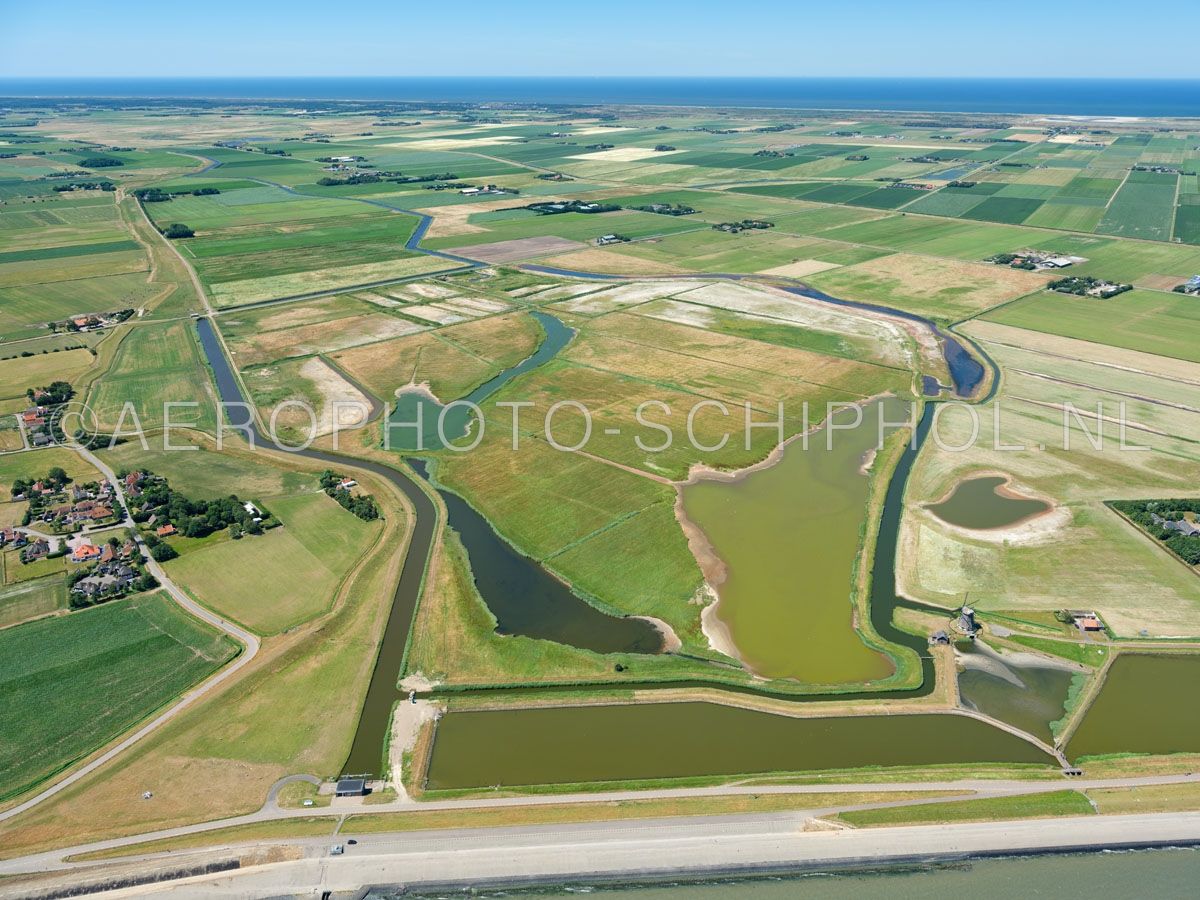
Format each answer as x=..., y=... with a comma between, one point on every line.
x=517, y=249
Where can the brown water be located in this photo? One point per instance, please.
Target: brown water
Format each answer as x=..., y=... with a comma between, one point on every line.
x=1027, y=695
x=567, y=745
x=789, y=535
x=980, y=503
x=1146, y=705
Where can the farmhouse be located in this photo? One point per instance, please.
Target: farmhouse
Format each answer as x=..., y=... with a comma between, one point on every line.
x=85, y=553
x=1086, y=620
x=39, y=549
x=1191, y=286
x=165, y=530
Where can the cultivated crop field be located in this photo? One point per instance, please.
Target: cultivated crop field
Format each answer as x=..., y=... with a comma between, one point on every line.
x=109, y=667
x=1149, y=321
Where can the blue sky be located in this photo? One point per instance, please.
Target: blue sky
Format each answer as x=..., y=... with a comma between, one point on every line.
x=1068, y=38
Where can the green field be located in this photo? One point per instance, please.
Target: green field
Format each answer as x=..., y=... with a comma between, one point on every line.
x=287, y=575
x=1150, y=321
x=156, y=365
x=109, y=667
x=1143, y=207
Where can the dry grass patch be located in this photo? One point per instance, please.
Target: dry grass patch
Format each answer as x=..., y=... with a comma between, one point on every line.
x=517, y=249
x=609, y=262
x=930, y=286
x=800, y=268
x=452, y=361
x=322, y=337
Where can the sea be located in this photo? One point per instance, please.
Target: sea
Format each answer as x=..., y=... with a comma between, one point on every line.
x=1100, y=97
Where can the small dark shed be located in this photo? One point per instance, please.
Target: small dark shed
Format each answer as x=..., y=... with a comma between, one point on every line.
x=351, y=787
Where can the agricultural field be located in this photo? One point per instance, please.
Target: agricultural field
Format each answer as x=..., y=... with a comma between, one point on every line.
x=1150, y=321
x=156, y=365
x=256, y=242
x=284, y=577
x=57, y=250
x=110, y=667
x=1081, y=553
x=344, y=253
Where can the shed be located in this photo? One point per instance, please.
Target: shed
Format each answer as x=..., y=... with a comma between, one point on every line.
x=351, y=787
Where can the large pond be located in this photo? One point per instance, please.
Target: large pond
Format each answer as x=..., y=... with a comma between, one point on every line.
x=986, y=502
x=528, y=600
x=1019, y=689
x=1146, y=705
x=788, y=536
x=567, y=745
x=416, y=406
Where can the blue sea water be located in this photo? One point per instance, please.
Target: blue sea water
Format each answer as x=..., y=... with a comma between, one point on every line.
x=1081, y=97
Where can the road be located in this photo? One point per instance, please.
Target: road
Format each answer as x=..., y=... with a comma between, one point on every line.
x=642, y=849
x=970, y=788
x=248, y=641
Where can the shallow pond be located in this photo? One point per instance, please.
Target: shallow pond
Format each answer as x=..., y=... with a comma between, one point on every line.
x=1146, y=705
x=566, y=745
x=415, y=407
x=788, y=536
x=526, y=599
x=1018, y=690
x=985, y=502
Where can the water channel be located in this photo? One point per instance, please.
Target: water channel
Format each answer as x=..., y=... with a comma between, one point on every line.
x=419, y=422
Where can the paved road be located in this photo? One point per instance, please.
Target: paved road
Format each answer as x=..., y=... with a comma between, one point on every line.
x=248, y=641
x=662, y=847
x=54, y=859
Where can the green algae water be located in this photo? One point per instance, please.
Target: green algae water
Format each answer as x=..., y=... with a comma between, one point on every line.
x=639, y=741
x=1146, y=705
x=983, y=503
x=788, y=536
x=1121, y=875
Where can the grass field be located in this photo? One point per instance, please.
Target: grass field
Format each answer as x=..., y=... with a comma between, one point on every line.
x=287, y=575
x=109, y=667
x=35, y=464
x=31, y=599
x=1149, y=321
x=156, y=365
x=1082, y=554
x=1031, y=806
x=940, y=289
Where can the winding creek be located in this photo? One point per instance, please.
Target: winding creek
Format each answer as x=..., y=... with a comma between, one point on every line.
x=419, y=421
x=526, y=599
x=894, y=740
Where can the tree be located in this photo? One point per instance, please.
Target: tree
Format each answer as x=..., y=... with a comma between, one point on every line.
x=162, y=551
x=57, y=476
x=178, y=230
